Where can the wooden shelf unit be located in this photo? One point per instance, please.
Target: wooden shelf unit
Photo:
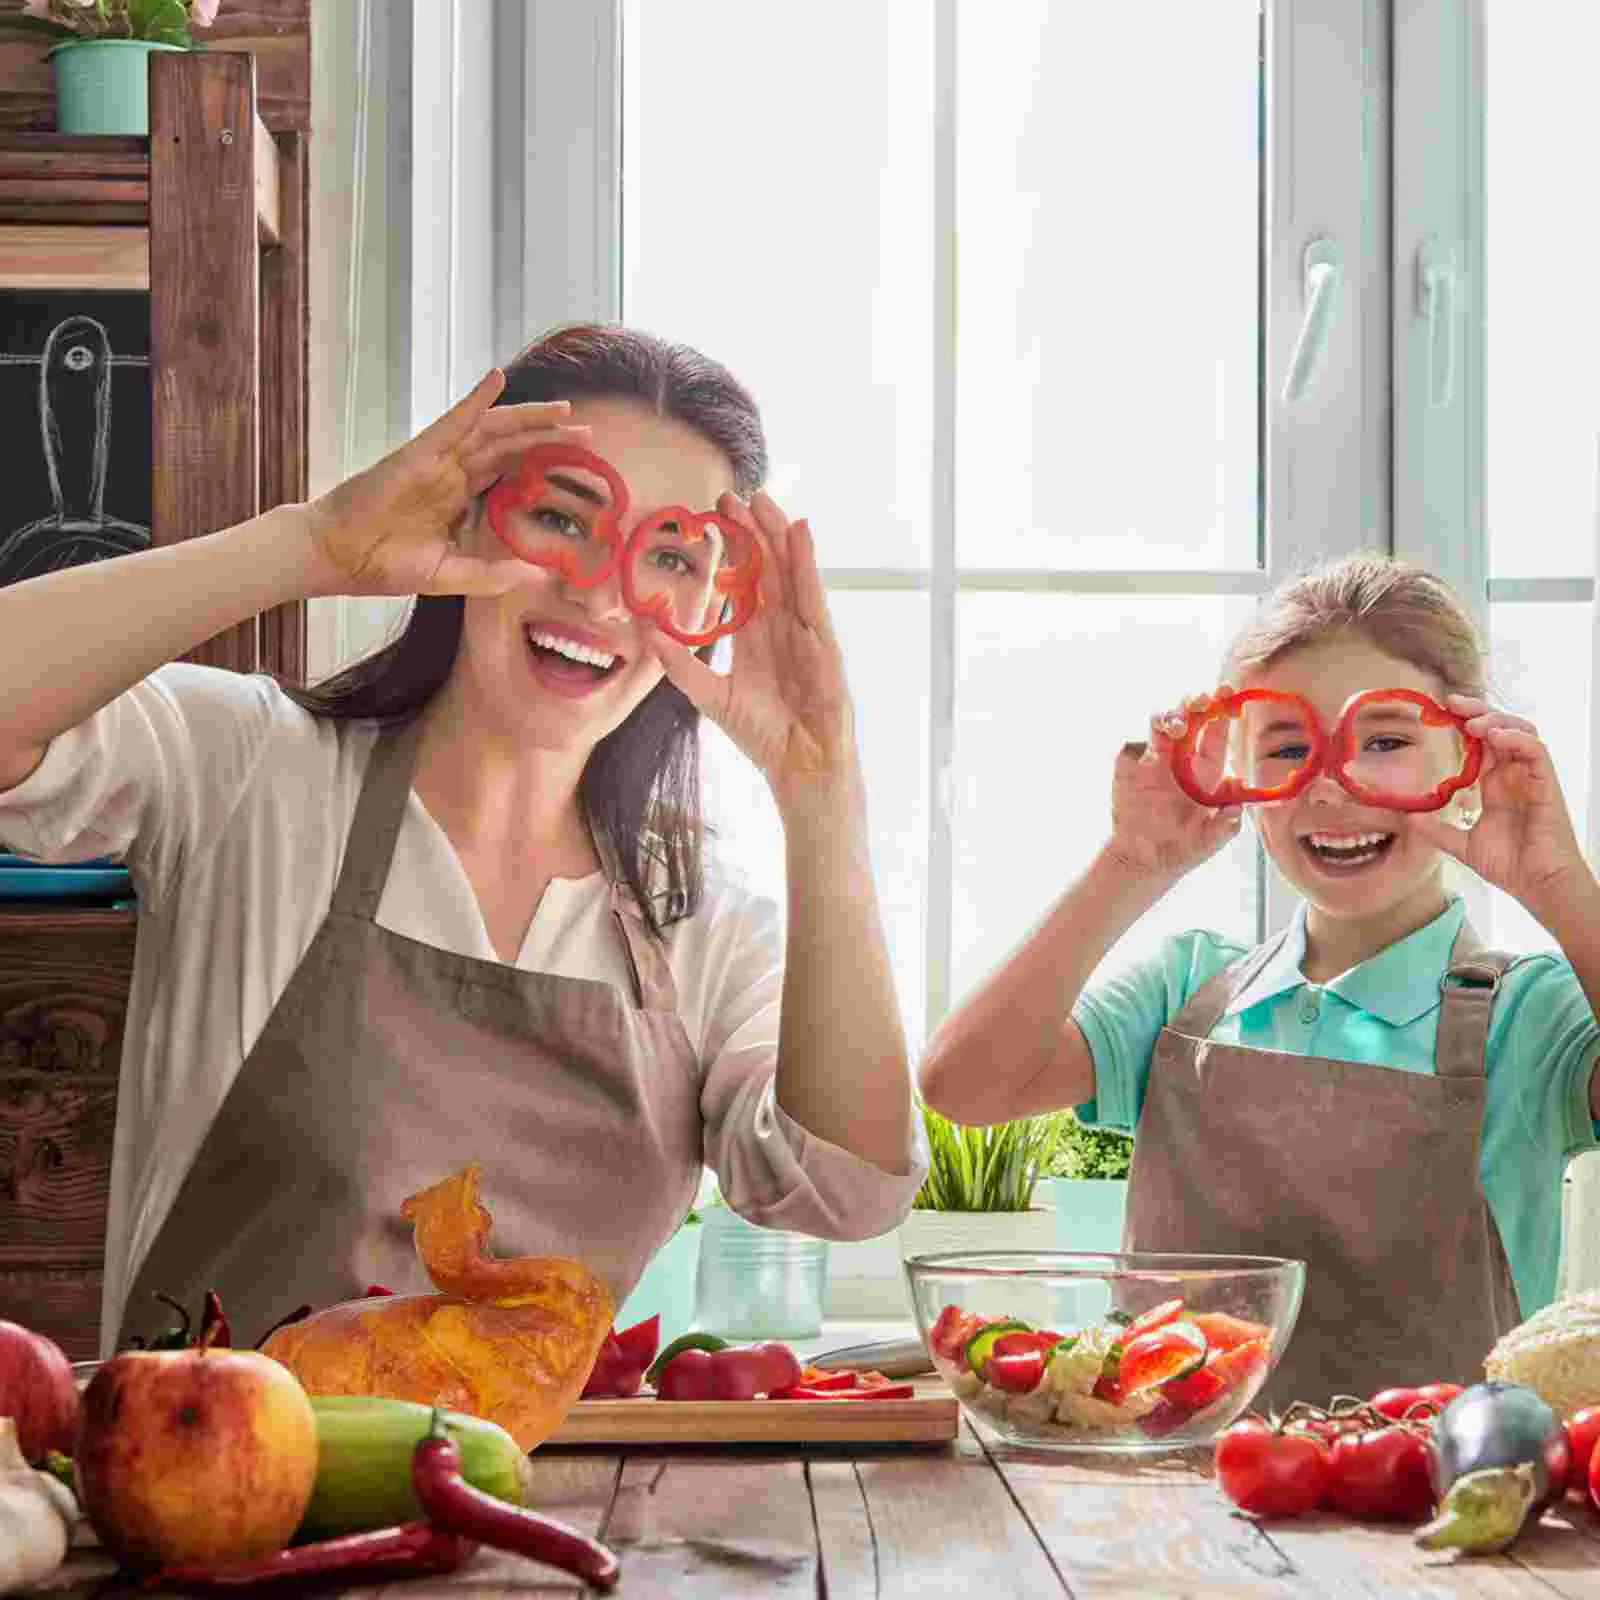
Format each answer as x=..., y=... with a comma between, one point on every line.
x=209, y=215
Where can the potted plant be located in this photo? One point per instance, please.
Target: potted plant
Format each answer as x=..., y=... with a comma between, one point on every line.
x=979, y=1192
x=1087, y=1186
x=102, y=54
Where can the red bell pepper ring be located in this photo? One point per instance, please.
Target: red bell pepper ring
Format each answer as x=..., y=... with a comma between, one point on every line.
x=529, y=482
x=737, y=582
x=1433, y=715
x=1234, y=791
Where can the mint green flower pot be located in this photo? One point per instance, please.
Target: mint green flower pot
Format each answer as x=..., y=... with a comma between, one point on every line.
x=667, y=1286
x=103, y=85
x=1089, y=1211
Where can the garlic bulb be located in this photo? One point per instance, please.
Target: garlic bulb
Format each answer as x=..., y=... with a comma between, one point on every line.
x=37, y=1516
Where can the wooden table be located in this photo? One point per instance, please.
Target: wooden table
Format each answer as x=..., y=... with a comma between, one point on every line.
x=977, y=1518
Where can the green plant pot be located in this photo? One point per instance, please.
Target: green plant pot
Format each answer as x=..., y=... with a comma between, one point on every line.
x=667, y=1286
x=1089, y=1211
x=103, y=85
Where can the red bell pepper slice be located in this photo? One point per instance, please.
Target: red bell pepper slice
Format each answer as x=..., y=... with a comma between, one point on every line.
x=639, y=1343
x=893, y=1391
x=1234, y=791
x=1223, y=1331
x=1154, y=1357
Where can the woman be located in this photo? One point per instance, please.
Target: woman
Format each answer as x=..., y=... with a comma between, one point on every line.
x=450, y=906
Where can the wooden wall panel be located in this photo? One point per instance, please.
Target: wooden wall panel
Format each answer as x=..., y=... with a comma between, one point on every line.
x=204, y=311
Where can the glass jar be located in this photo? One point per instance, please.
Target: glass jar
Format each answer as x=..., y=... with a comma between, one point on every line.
x=758, y=1283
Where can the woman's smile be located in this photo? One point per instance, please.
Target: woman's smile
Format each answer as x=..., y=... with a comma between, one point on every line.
x=569, y=660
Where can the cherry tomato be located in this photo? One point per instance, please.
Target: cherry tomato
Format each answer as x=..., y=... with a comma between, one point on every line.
x=1155, y=1317
x=1018, y=1373
x=1223, y=1332
x=1441, y=1394
x=1196, y=1390
x=952, y=1330
x=1394, y=1403
x=1381, y=1475
x=1164, y=1353
x=1271, y=1474
x=1594, y=1479
x=1583, y=1433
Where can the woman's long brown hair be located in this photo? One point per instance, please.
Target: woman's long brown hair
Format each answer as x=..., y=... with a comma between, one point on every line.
x=641, y=786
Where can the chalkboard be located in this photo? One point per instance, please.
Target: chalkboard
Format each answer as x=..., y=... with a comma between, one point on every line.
x=75, y=415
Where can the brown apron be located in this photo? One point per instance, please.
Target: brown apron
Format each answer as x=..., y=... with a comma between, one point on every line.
x=387, y=1065
x=1368, y=1174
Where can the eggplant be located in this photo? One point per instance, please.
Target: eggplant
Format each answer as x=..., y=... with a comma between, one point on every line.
x=1498, y=1456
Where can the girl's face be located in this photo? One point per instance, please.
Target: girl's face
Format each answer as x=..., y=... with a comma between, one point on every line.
x=560, y=666
x=1346, y=858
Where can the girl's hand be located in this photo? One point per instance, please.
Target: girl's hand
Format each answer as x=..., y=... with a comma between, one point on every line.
x=1156, y=829
x=784, y=703
x=390, y=529
x=1523, y=841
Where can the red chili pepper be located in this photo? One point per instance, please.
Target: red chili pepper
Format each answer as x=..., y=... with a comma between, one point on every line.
x=409, y=1549
x=458, y=1507
x=891, y=1391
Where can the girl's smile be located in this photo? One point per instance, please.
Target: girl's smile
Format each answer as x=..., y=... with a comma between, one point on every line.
x=569, y=660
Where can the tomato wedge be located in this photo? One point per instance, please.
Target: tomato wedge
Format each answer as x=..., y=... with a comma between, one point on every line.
x=952, y=1330
x=1019, y=1372
x=1010, y=1344
x=1223, y=1331
x=1169, y=1351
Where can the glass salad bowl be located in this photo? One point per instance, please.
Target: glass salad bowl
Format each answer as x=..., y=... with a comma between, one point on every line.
x=1071, y=1350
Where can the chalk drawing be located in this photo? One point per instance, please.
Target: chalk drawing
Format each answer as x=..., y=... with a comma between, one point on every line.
x=75, y=432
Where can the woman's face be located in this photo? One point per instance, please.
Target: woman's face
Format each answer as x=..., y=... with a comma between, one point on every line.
x=560, y=666
x=1346, y=858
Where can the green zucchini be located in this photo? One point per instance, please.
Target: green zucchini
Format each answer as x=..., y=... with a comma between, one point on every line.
x=364, y=1449
x=982, y=1342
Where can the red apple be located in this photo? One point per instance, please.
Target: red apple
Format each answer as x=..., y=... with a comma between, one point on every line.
x=199, y=1456
x=37, y=1388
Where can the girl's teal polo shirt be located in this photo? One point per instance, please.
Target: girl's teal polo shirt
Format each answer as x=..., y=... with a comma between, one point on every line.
x=1543, y=1042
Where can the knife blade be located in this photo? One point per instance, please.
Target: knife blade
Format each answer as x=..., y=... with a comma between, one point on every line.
x=894, y=1358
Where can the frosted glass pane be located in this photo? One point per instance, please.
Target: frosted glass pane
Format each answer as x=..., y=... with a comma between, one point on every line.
x=884, y=638
x=1543, y=317
x=1050, y=688
x=777, y=182
x=1539, y=668
x=1109, y=177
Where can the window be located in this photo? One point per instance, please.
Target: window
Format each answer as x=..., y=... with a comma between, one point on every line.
x=1010, y=286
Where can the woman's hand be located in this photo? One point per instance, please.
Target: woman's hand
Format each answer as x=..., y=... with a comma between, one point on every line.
x=785, y=702
x=1523, y=841
x=390, y=529
x=1156, y=829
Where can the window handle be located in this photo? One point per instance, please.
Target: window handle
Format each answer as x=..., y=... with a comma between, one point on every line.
x=1436, y=300
x=1321, y=269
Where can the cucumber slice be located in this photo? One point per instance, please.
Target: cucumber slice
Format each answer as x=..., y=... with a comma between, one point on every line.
x=982, y=1342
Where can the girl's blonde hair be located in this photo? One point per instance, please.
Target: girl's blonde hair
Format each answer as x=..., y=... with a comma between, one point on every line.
x=1400, y=609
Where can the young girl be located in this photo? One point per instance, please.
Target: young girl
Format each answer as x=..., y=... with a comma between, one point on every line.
x=1369, y=1091
x=450, y=906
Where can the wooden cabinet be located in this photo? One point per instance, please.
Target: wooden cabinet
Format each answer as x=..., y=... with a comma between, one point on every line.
x=64, y=978
x=209, y=215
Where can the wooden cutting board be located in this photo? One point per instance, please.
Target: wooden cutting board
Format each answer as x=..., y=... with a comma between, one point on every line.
x=931, y=1416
